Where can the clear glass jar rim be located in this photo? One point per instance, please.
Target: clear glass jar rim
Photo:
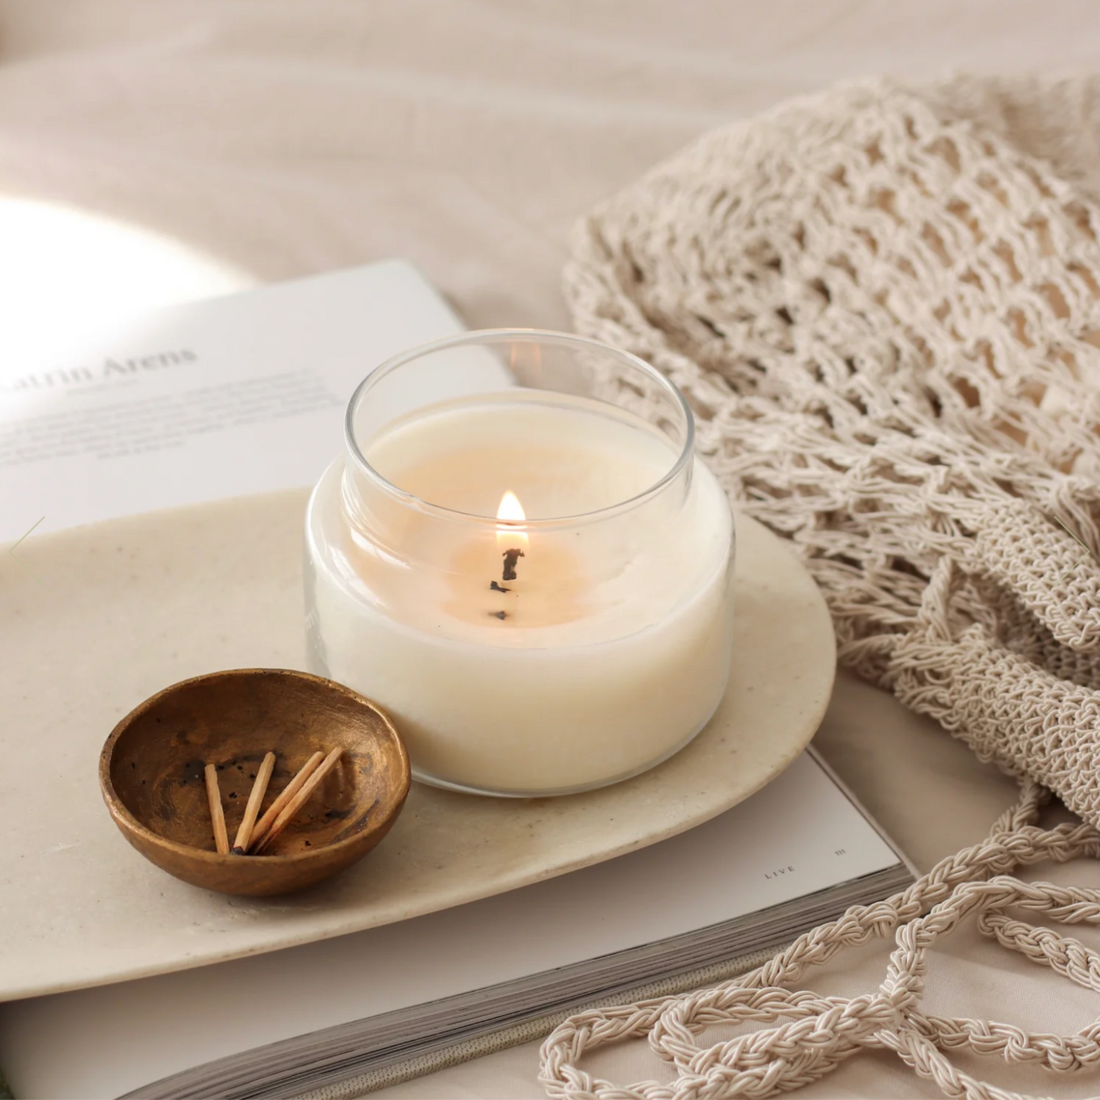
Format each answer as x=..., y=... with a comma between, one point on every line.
x=518, y=335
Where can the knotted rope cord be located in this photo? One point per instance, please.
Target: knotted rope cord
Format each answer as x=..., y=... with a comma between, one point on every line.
x=883, y=305
x=824, y=1031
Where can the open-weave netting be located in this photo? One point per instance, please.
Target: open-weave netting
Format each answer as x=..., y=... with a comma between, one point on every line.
x=883, y=304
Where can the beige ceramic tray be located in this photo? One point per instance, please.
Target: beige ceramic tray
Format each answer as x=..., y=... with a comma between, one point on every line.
x=126, y=607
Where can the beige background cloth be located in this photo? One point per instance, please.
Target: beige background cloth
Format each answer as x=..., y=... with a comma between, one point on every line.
x=271, y=140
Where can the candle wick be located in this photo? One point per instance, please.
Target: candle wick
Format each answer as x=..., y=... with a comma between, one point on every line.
x=510, y=559
x=499, y=614
x=498, y=587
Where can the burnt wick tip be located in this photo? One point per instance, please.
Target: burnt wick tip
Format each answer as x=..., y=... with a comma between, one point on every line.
x=510, y=559
x=499, y=614
x=498, y=587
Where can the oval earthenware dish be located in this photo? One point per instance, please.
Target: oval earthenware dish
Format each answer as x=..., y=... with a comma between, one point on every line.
x=151, y=772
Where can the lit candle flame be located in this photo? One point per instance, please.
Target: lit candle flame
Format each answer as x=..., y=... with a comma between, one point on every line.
x=510, y=508
x=510, y=533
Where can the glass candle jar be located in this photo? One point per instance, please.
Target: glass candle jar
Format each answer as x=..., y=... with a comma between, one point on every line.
x=520, y=559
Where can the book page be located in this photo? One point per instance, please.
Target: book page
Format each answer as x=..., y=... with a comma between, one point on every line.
x=204, y=401
x=799, y=835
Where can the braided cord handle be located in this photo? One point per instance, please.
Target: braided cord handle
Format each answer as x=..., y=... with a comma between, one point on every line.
x=824, y=1031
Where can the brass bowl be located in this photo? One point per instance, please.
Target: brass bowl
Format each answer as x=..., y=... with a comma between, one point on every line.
x=151, y=772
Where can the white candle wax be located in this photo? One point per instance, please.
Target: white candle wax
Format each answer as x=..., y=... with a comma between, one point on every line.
x=607, y=650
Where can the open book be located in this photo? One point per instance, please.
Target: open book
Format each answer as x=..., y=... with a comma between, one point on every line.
x=198, y=403
x=277, y=1025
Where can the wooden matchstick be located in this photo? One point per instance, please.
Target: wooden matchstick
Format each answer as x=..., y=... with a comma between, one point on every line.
x=276, y=807
x=259, y=789
x=299, y=800
x=217, y=815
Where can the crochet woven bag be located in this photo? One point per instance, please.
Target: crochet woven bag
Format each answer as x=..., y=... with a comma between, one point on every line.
x=883, y=305
x=885, y=311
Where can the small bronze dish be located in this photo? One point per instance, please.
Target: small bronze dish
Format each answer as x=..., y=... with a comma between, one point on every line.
x=151, y=772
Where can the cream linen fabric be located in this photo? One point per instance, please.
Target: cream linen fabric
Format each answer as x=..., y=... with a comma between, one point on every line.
x=276, y=138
